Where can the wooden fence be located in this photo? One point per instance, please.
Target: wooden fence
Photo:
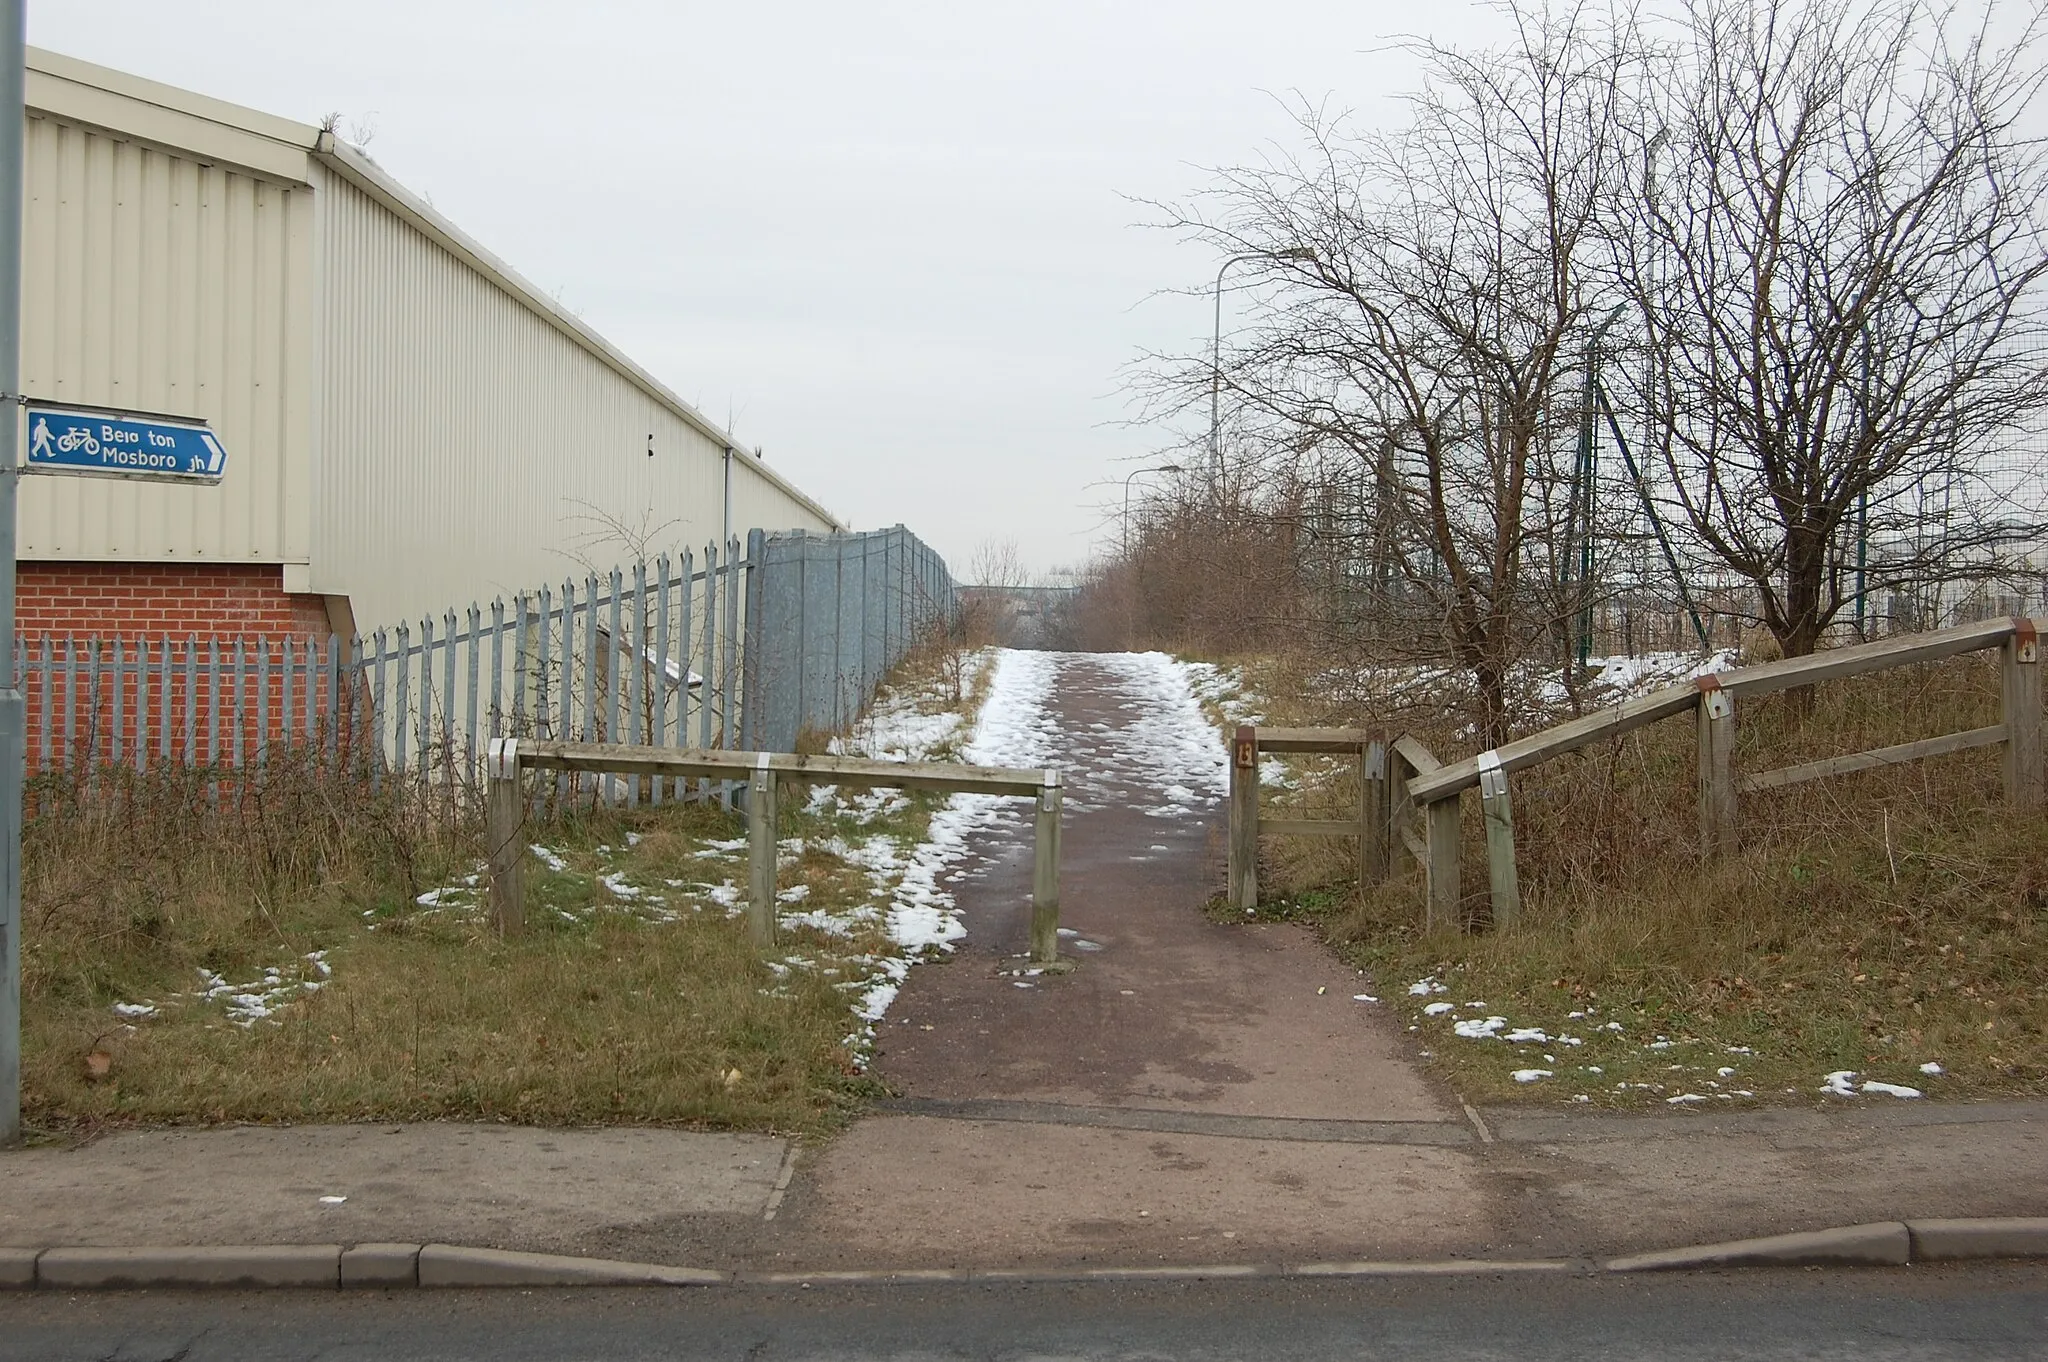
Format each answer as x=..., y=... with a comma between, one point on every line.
x=1434, y=788
x=1370, y=827
x=507, y=803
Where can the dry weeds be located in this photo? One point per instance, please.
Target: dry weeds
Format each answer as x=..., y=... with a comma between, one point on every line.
x=1872, y=923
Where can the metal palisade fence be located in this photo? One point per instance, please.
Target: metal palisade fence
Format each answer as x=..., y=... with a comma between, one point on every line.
x=716, y=650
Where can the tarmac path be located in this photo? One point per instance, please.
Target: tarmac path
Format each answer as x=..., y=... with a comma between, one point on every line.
x=1192, y=1088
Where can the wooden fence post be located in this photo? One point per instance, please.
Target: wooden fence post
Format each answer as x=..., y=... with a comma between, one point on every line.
x=1440, y=869
x=1373, y=813
x=1243, y=887
x=1045, y=873
x=761, y=856
x=1500, y=840
x=503, y=846
x=2022, y=676
x=1717, y=802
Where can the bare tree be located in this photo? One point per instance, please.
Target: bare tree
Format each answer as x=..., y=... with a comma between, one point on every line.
x=1833, y=253
x=1426, y=295
x=997, y=563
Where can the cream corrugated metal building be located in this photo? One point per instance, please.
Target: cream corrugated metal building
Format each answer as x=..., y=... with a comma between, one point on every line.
x=410, y=425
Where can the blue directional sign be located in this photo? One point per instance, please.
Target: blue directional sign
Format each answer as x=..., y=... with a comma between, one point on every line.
x=100, y=442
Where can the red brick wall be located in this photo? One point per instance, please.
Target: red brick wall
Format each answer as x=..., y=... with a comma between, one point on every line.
x=149, y=600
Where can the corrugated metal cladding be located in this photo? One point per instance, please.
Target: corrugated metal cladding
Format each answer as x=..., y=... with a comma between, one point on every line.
x=469, y=448
x=156, y=282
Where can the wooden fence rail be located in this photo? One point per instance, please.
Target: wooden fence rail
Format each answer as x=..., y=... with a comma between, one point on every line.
x=1435, y=789
x=762, y=772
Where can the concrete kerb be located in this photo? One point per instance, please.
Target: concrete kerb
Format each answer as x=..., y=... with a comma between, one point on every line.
x=1884, y=1244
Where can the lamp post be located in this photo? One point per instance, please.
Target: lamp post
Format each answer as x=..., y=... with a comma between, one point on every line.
x=1216, y=357
x=1137, y=472
x=1131, y=591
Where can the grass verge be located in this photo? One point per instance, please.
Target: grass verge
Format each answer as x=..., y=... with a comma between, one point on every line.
x=308, y=951
x=1871, y=926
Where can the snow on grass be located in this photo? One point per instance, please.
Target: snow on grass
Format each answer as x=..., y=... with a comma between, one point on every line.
x=1842, y=1083
x=1629, y=676
x=260, y=999
x=1529, y=1075
x=913, y=723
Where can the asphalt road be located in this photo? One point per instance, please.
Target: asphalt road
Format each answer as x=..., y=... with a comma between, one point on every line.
x=1994, y=1311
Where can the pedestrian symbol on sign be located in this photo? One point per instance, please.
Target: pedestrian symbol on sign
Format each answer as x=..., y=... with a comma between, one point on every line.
x=40, y=446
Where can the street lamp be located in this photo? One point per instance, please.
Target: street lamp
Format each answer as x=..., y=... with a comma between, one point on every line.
x=1216, y=355
x=1136, y=472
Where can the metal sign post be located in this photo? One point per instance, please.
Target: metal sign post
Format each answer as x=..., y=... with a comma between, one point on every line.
x=67, y=439
x=13, y=95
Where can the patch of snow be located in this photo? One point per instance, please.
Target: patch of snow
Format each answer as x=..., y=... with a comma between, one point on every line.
x=1479, y=1028
x=550, y=858
x=1422, y=988
x=1930, y=1067
x=1437, y=1009
x=135, y=1009
x=1529, y=1075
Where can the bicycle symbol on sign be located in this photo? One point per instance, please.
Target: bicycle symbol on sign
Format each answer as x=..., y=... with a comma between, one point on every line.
x=78, y=437
x=42, y=446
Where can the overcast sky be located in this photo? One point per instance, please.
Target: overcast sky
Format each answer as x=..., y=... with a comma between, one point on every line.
x=890, y=243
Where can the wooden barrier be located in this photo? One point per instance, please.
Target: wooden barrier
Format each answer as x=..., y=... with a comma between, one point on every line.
x=762, y=771
x=1371, y=826
x=1435, y=789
